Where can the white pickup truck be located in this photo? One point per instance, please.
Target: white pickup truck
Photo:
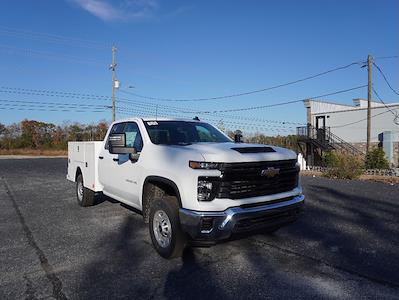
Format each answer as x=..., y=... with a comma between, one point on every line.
x=192, y=183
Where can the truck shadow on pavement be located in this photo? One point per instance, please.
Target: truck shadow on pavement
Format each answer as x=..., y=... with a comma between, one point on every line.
x=127, y=267
x=112, y=273
x=192, y=280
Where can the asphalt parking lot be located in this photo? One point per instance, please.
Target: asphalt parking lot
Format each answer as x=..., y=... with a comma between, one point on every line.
x=345, y=246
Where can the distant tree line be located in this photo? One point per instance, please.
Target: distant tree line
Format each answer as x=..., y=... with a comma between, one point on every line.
x=287, y=141
x=33, y=134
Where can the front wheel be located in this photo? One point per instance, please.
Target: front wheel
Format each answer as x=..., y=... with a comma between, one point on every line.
x=167, y=237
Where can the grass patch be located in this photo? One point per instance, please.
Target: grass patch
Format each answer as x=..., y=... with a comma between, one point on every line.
x=33, y=152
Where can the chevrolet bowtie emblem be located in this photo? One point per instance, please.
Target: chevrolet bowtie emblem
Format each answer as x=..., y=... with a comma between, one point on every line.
x=270, y=172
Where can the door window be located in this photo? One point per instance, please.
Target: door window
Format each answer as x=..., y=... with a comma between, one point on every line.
x=133, y=136
x=118, y=128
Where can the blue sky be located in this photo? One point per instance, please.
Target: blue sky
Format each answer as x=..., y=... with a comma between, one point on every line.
x=192, y=49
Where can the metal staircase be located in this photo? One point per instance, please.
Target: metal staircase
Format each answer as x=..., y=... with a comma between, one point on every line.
x=319, y=140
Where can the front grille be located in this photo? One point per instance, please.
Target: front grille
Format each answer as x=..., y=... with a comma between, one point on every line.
x=245, y=180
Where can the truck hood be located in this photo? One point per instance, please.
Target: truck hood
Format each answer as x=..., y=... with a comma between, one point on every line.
x=240, y=152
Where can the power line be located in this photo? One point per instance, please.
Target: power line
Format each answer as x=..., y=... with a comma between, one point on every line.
x=53, y=103
x=10, y=104
x=186, y=111
x=16, y=103
x=385, y=78
x=379, y=98
x=51, y=38
x=192, y=111
x=153, y=107
x=50, y=93
x=395, y=113
x=87, y=96
x=48, y=109
x=244, y=93
x=239, y=117
x=284, y=103
x=386, y=57
x=361, y=120
x=232, y=123
x=45, y=106
x=215, y=118
x=83, y=96
x=48, y=55
x=161, y=113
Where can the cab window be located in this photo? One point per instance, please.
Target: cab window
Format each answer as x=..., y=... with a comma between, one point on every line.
x=133, y=136
x=132, y=133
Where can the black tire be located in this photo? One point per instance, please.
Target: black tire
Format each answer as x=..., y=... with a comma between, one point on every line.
x=169, y=206
x=85, y=196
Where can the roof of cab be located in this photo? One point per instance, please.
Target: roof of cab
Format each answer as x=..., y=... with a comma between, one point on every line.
x=154, y=119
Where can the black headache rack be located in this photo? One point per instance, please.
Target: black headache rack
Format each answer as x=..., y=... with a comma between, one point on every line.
x=253, y=179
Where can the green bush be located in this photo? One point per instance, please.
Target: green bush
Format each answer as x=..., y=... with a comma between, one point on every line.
x=375, y=159
x=342, y=166
x=330, y=159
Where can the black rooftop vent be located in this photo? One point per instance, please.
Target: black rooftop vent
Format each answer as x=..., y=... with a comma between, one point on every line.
x=254, y=150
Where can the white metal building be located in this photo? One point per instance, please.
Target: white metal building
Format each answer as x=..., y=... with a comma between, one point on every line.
x=349, y=122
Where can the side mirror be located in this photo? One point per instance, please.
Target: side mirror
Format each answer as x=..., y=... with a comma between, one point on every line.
x=117, y=145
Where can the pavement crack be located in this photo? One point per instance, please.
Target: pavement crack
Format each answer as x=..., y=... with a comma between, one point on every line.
x=342, y=269
x=47, y=268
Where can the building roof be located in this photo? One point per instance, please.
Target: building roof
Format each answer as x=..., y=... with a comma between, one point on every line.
x=320, y=106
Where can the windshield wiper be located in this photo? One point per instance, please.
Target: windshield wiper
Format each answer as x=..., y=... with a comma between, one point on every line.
x=183, y=144
x=176, y=144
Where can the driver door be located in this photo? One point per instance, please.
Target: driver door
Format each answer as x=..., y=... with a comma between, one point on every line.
x=117, y=173
x=108, y=165
x=129, y=171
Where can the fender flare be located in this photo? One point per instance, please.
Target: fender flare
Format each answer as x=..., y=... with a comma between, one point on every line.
x=164, y=181
x=78, y=171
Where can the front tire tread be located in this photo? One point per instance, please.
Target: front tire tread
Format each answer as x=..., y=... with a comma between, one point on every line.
x=170, y=206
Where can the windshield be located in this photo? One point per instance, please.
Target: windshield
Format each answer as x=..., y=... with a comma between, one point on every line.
x=183, y=133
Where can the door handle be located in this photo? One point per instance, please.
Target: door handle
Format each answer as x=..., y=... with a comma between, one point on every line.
x=101, y=157
x=115, y=159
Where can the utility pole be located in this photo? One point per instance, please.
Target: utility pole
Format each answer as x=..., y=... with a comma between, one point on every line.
x=112, y=68
x=369, y=95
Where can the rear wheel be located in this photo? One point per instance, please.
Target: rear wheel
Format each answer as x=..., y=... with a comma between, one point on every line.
x=84, y=196
x=167, y=237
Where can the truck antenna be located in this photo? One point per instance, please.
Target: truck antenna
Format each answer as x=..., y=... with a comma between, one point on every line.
x=156, y=113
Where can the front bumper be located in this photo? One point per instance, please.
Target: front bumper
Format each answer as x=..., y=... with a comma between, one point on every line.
x=210, y=227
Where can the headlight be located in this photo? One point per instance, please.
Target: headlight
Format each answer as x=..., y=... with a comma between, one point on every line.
x=203, y=165
x=206, y=189
x=297, y=179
